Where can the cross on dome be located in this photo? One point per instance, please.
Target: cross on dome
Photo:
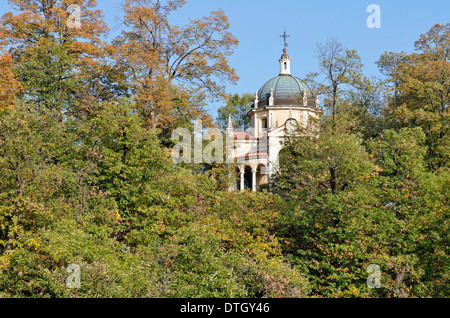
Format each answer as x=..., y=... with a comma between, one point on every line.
x=285, y=36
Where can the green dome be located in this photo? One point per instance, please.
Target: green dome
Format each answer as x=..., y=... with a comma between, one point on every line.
x=287, y=90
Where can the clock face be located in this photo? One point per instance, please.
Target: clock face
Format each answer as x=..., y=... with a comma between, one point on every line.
x=291, y=125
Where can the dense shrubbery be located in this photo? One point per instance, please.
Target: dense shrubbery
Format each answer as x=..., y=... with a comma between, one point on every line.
x=136, y=227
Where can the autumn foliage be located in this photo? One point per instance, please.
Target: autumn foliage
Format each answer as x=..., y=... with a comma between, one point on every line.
x=9, y=85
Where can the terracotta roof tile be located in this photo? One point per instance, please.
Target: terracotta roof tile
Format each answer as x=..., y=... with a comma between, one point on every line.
x=254, y=154
x=243, y=135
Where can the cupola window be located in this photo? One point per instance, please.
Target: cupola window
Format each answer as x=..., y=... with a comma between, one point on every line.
x=264, y=123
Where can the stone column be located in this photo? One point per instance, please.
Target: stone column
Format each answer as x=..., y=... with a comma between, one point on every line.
x=253, y=180
x=242, y=181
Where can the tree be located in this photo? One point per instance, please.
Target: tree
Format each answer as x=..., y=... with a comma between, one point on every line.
x=9, y=86
x=322, y=161
x=49, y=53
x=421, y=91
x=237, y=107
x=115, y=154
x=33, y=147
x=352, y=100
x=341, y=68
x=410, y=199
x=165, y=62
x=393, y=215
x=317, y=173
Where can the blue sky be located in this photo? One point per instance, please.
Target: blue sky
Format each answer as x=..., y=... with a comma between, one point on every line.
x=258, y=23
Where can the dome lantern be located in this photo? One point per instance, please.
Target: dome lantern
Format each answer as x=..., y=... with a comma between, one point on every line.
x=285, y=60
x=285, y=64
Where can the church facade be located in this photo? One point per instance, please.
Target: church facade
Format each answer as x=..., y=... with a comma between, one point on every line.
x=281, y=104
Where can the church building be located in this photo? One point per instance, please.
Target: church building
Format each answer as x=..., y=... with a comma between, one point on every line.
x=281, y=104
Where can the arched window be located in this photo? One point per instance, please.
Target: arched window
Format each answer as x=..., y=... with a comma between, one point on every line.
x=285, y=65
x=248, y=180
x=261, y=176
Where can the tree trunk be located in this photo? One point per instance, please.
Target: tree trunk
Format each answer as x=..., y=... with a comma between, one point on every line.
x=82, y=204
x=333, y=180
